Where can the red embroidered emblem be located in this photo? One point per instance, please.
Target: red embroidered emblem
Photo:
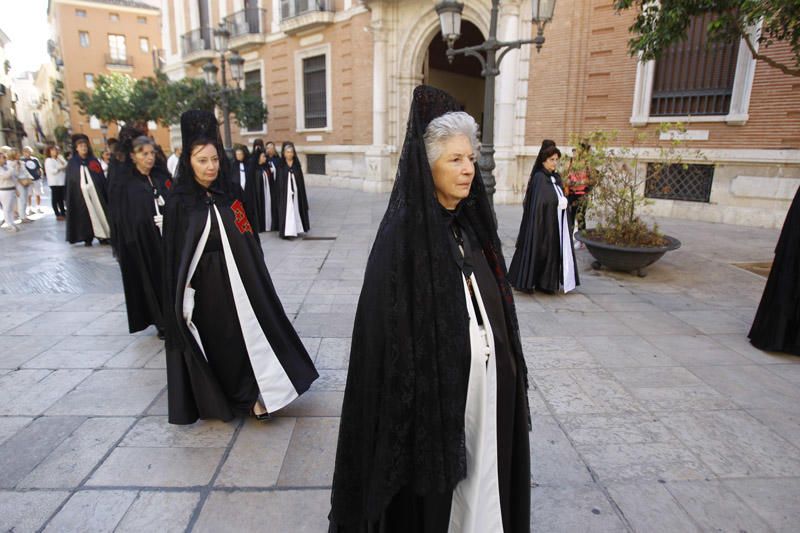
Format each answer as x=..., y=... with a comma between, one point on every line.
x=241, y=218
x=94, y=166
x=168, y=184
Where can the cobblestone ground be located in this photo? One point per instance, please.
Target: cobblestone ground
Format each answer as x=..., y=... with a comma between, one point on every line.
x=651, y=412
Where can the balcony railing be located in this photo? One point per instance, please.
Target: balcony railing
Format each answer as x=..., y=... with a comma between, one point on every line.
x=294, y=8
x=248, y=21
x=114, y=60
x=197, y=40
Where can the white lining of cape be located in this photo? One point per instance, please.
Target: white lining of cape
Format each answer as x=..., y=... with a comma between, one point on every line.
x=567, y=264
x=475, y=505
x=267, y=201
x=96, y=214
x=293, y=224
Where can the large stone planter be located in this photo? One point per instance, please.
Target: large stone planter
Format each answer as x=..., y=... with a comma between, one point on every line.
x=625, y=259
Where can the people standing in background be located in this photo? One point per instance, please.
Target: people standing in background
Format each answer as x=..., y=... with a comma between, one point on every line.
x=577, y=188
x=245, y=183
x=544, y=258
x=105, y=159
x=54, y=168
x=34, y=168
x=8, y=193
x=86, y=196
x=24, y=184
x=292, y=200
x=172, y=161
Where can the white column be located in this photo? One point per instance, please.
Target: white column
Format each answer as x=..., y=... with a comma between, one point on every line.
x=379, y=176
x=642, y=93
x=505, y=103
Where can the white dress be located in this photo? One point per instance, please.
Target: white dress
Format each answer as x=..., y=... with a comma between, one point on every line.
x=96, y=214
x=294, y=224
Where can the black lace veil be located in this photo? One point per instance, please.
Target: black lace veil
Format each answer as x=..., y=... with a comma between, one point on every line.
x=199, y=125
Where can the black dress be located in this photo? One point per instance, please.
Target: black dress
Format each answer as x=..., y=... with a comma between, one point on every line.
x=226, y=328
x=537, y=261
x=138, y=241
x=287, y=189
x=402, y=450
x=250, y=191
x=776, y=326
x=79, y=223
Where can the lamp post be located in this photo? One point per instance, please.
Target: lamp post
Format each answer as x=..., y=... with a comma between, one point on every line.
x=236, y=62
x=449, y=12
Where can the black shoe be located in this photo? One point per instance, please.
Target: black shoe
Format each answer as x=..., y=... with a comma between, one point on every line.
x=263, y=417
x=161, y=334
x=87, y=243
x=104, y=241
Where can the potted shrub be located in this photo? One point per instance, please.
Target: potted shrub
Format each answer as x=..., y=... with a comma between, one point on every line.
x=620, y=240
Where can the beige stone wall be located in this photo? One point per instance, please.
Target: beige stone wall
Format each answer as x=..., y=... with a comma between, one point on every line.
x=79, y=61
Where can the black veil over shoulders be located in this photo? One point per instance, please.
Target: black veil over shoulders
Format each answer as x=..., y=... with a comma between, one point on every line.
x=403, y=413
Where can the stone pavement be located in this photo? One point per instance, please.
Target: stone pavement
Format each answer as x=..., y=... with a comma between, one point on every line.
x=651, y=412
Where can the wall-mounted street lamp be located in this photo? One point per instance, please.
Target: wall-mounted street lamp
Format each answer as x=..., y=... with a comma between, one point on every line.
x=210, y=70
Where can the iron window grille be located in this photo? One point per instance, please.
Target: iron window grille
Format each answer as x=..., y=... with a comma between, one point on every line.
x=695, y=76
x=293, y=8
x=249, y=20
x=252, y=85
x=315, y=92
x=199, y=39
x=315, y=163
x=691, y=183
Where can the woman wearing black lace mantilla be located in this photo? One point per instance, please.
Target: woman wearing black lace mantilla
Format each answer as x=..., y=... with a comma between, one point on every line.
x=434, y=428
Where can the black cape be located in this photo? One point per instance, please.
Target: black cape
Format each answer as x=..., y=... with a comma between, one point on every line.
x=250, y=193
x=537, y=262
x=194, y=390
x=776, y=327
x=281, y=186
x=79, y=225
x=401, y=449
x=138, y=242
x=263, y=176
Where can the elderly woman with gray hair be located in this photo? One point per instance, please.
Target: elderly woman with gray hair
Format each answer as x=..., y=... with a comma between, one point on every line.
x=140, y=188
x=434, y=429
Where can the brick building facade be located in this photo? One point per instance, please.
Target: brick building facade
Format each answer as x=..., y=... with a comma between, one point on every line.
x=97, y=37
x=337, y=77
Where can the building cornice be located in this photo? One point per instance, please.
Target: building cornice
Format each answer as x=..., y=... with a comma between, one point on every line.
x=110, y=7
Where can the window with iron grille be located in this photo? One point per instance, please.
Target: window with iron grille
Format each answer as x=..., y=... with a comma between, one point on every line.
x=679, y=182
x=695, y=76
x=252, y=85
x=314, y=92
x=315, y=163
x=292, y=8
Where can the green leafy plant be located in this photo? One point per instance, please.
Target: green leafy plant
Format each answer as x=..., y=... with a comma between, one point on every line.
x=619, y=176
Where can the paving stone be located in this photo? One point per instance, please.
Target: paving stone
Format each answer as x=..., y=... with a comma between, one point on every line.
x=775, y=500
x=330, y=380
x=113, y=393
x=93, y=302
x=31, y=392
x=315, y=403
x=165, y=512
x=18, y=349
x=649, y=461
x=570, y=302
x=784, y=422
x=654, y=323
x=58, y=323
x=156, y=431
x=749, y=386
x=258, y=453
x=137, y=353
x=9, y=425
x=26, y=512
x=75, y=457
x=311, y=455
x=324, y=325
x=628, y=351
x=157, y=467
x=540, y=324
x=741, y=345
x=650, y=507
x=712, y=322
x=714, y=507
x=291, y=510
x=161, y=406
x=11, y=319
x=789, y=372
x=536, y=402
x=584, y=391
x=55, y=358
x=553, y=459
x=734, y=444
x=159, y=361
x=632, y=428
x=113, y=343
x=694, y=350
x=622, y=302
x=333, y=353
x=571, y=509
x=670, y=388
x=22, y=452
x=110, y=323
x=92, y=511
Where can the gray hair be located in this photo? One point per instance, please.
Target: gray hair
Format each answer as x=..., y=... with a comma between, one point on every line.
x=141, y=141
x=446, y=126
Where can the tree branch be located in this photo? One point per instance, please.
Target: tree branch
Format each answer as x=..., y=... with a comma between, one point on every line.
x=768, y=60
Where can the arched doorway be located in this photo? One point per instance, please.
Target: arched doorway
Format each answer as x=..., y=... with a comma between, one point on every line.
x=462, y=79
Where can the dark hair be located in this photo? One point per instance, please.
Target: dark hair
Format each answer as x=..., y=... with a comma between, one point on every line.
x=547, y=153
x=258, y=143
x=185, y=173
x=49, y=149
